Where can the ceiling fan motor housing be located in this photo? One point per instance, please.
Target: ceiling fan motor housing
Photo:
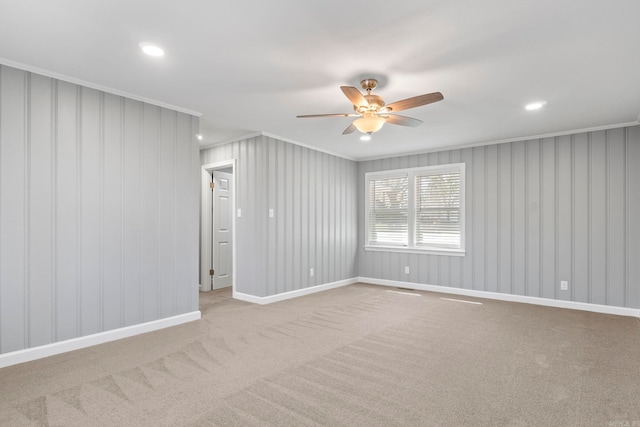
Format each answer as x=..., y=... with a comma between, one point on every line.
x=375, y=102
x=369, y=84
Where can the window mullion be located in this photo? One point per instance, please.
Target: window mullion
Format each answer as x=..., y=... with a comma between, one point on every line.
x=411, y=213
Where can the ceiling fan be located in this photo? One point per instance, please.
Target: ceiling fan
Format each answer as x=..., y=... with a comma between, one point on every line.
x=373, y=113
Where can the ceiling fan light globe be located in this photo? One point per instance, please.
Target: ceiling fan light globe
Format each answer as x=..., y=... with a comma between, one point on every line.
x=369, y=124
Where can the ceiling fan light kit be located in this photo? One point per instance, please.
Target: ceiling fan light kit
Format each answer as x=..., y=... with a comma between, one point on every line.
x=369, y=123
x=374, y=113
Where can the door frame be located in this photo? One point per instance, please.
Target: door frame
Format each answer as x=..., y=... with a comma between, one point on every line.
x=207, y=239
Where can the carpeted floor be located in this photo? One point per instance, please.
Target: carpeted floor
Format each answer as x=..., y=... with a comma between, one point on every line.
x=360, y=355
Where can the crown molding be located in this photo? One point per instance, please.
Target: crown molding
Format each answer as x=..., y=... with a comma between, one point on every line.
x=69, y=79
x=504, y=141
x=279, y=138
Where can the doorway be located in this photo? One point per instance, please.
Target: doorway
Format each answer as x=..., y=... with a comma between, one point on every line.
x=217, y=225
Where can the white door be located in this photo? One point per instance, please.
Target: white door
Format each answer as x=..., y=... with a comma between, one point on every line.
x=206, y=232
x=222, y=229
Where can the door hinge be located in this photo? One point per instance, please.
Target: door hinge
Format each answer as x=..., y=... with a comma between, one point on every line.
x=210, y=272
x=211, y=185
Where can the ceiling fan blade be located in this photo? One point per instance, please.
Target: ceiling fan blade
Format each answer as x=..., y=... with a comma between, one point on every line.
x=416, y=101
x=328, y=115
x=350, y=129
x=354, y=96
x=402, y=120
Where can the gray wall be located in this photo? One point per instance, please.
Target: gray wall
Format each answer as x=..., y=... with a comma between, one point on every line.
x=537, y=212
x=98, y=211
x=313, y=195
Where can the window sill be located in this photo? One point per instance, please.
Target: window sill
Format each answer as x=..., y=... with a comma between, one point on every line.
x=406, y=250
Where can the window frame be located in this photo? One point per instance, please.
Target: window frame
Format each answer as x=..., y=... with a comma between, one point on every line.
x=411, y=174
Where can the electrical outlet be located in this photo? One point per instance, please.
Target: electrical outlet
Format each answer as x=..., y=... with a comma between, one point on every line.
x=406, y=270
x=239, y=213
x=270, y=213
x=311, y=272
x=564, y=285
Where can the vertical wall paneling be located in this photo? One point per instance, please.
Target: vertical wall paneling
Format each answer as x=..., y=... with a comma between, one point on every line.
x=519, y=218
x=616, y=194
x=505, y=250
x=40, y=215
x=598, y=217
x=308, y=191
x=478, y=218
x=66, y=213
x=272, y=179
x=79, y=211
x=337, y=184
x=296, y=232
x=632, y=186
x=538, y=212
x=330, y=216
x=167, y=207
x=13, y=224
x=183, y=150
x=316, y=230
x=320, y=206
x=260, y=211
x=313, y=208
x=280, y=215
x=132, y=213
x=1, y=201
x=90, y=222
x=532, y=191
x=304, y=199
x=324, y=223
x=338, y=271
x=251, y=180
x=241, y=177
x=348, y=267
x=112, y=174
x=580, y=222
x=288, y=213
x=247, y=178
x=151, y=171
x=548, y=223
x=491, y=231
x=194, y=230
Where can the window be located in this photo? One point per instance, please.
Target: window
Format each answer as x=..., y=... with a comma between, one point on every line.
x=416, y=210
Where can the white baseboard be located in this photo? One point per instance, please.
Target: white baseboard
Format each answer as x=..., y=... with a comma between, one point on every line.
x=293, y=294
x=29, y=354
x=596, y=308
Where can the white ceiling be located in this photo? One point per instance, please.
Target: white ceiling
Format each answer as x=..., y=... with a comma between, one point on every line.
x=251, y=66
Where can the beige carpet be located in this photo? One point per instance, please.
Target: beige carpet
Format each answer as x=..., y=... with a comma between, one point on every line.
x=354, y=356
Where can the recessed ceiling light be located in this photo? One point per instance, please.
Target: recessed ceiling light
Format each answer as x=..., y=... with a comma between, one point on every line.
x=199, y=137
x=151, y=49
x=365, y=138
x=535, y=105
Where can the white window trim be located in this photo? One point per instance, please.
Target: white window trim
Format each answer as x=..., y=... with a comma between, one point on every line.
x=411, y=173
